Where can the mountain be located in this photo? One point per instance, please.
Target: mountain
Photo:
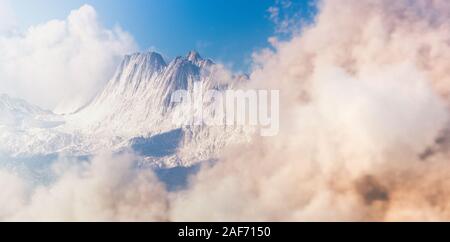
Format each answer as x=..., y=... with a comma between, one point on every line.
x=25, y=128
x=18, y=113
x=133, y=111
x=137, y=99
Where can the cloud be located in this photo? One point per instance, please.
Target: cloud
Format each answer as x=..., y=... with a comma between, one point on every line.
x=62, y=63
x=107, y=188
x=286, y=16
x=364, y=113
x=7, y=18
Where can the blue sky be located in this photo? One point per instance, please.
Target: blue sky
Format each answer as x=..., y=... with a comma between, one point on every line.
x=224, y=30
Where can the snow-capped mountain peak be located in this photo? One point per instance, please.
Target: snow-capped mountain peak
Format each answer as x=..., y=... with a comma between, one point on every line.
x=138, y=66
x=140, y=92
x=152, y=61
x=196, y=59
x=193, y=56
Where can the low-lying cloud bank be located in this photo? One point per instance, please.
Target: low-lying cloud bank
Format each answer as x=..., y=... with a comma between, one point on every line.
x=364, y=134
x=107, y=188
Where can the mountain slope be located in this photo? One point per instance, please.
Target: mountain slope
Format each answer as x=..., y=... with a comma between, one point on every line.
x=134, y=110
x=28, y=129
x=137, y=99
x=18, y=113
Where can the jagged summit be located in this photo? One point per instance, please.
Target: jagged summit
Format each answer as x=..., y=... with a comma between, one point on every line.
x=139, y=70
x=151, y=61
x=139, y=94
x=242, y=77
x=196, y=59
x=193, y=56
x=150, y=55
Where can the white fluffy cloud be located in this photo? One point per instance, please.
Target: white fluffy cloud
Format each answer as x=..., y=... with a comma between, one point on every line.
x=62, y=63
x=364, y=109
